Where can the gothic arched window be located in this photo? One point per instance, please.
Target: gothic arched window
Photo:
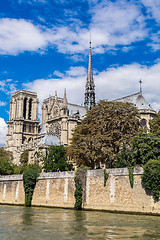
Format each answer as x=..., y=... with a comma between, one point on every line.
x=143, y=124
x=24, y=108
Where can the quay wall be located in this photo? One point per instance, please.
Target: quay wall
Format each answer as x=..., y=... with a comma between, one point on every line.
x=57, y=190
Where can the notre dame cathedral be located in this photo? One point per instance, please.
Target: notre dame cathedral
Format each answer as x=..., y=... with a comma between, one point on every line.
x=58, y=118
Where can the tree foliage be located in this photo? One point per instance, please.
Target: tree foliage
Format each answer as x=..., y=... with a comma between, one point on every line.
x=143, y=147
x=151, y=177
x=6, y=165
x=56, y=159
x=24, y=158
x=155, y=124
x=30, y=177
x=100, y=136
x=5, y=154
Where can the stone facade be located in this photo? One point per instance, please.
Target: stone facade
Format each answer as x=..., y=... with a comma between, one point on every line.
x=145, y=109
x=22, y=126
x=57, y=190
x=58, y=119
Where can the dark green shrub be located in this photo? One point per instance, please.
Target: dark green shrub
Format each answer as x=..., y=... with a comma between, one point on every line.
x=151, y=177
x=78, y=193
x=106, y=175
x=131, y=176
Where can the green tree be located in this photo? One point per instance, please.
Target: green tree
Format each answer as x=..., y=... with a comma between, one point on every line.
x=151, y=177
x=5, y=154
x=155, y=124
x=56, y=158
x=143, y=147
x=24, y=158
x=100, y=136
x=6, y=165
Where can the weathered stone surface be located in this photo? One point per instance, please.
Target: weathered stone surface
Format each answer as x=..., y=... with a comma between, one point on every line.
x=57, y=190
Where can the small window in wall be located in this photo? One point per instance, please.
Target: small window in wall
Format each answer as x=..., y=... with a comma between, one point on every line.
x=30, y=109
x=30, y=128
x=24, y=108
x=24, y=128
x=143, y=123
x=24, y=140
x=30, y=140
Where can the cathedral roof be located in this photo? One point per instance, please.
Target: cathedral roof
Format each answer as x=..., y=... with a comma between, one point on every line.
x=43, y=129
x=138, y=100
x=73, y=108
x=49, y=139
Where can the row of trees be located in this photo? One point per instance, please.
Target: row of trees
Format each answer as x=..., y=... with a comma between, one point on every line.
x=110, y=134
x=54, y=159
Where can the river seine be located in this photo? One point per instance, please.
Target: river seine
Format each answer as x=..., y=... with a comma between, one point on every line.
x=20, y=223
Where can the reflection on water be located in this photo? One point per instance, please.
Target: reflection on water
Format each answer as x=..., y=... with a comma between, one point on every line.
x=20, y=223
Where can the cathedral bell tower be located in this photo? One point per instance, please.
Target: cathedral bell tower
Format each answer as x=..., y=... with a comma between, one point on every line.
x=89, y=101
x=23, y=121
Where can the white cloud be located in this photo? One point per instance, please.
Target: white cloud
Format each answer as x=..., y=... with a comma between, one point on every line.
x=2, y=104
x=7, y=86
x=111, y=84
x=111, y=24
x=155, y=44
x=3, y=131
x=153, y=8
x=19, y=35
x=76, y=71
x=118, y=22
x=32, y=1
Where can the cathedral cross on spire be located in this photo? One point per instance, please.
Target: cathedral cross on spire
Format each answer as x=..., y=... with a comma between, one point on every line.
x=89, y=101
x=140, y=82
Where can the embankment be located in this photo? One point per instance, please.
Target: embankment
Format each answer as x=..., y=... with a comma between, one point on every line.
x=57, y=190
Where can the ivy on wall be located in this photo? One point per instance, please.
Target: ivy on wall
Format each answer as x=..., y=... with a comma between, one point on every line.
x=80, y=185
x=78, y=193
x=30, y=177
x=131, y=176
x=106, y=175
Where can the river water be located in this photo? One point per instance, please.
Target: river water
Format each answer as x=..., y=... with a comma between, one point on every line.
x=20, y=223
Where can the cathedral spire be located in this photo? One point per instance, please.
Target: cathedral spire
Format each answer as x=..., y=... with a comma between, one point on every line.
x=140, y=82
x=65, y=99
x=89, y=101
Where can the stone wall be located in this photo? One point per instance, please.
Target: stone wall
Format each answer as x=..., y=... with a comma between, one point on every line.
x=57, y=190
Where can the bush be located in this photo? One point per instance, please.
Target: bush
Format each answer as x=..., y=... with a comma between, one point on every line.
x=151, y=177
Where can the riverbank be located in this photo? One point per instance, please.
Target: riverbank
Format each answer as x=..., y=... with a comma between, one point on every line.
x=57, y=190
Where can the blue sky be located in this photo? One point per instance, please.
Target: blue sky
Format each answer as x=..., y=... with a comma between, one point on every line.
x=44, y=47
